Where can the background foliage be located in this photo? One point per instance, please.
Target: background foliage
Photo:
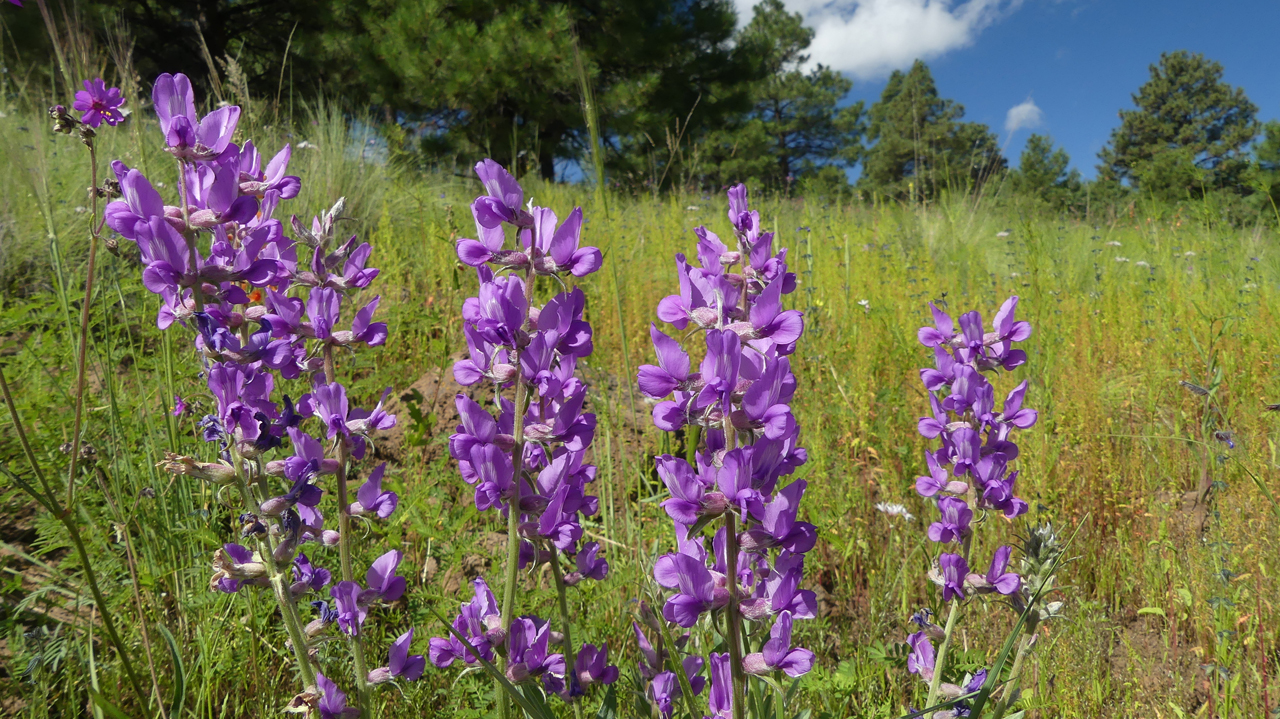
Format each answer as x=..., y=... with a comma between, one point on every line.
x=1171, y=601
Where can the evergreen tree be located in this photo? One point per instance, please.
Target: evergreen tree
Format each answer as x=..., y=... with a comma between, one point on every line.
x=1044, y=173
x=1187, y=134
x=796, y=126
x=921, y=144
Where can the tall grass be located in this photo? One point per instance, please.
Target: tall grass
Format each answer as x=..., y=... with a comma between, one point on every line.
x=1170, y=605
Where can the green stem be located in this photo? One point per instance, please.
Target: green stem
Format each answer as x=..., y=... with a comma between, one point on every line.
x=733, y=617
x=1015, y=677
x=354, y=642
x=279, y=586
x=570, y=673
x=942, y=654
x=513, y=507
x=84, y=331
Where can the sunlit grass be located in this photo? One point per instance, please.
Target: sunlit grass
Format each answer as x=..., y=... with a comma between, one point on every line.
x=1164, y=619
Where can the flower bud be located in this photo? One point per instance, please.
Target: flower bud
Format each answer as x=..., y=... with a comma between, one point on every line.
x=381, y=675
x=315, y=627
x=275, y=506
x=517, y=673
x=329, y=538
x=704, y=317
x=714, y=504
x=503, y=373
x=215, y=472
x=755, y=664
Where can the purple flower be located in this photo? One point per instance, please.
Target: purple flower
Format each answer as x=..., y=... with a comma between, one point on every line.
x=777, y=653
x=399, y=662
x=591, y=666
x=351, y=612
x=720, y=700
x=996, y=578
x=939, y=480
x=527, y=656
x=306, y=577
x=697, y=594
x=504, y=200
x=589, y=565
x=179, y=406
x=189, y=139
x=942, y=332
x=778, y=526
x=99, y=104
x=333, y=701
x=672, y=371
x=921, y=659
x=556, y=250
x=382, y=580
x=954, y=524
x=371, y=499
x=953, y=572
x=780, y=591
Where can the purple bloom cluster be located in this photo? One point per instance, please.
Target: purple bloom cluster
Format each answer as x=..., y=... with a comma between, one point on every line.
x=99, y=104
x=738, y=403
x=527, y=458
x=225, y=268
x=969, y=471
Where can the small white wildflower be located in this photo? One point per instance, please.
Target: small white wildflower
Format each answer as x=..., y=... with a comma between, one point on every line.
x=304, y=145
x=866, y=305
x=692, y=208
x=895, y=510
x=1142, y=263
x=1002, y=233
x=81, y=209
x=1014, y=274
x=1113, y=243
x=1122, y=259
x=1188, y=253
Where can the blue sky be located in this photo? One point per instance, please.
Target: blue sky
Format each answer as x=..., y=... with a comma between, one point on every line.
x=1078, y=61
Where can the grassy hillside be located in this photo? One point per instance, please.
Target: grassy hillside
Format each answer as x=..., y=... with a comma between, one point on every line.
x=1170, y=599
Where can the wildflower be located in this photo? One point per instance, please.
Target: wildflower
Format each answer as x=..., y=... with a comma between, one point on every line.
x=777, y=653
x=954, y=570
x=720, y=699
x=921, y=659
x=99, y=104
x=892, y=509
x=996, y=578
x=333, y=701
x=382, y=580
x=400, y=664
x=592, y=666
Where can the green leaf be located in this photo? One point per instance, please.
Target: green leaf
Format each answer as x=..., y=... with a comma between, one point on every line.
x=106, y=706
x=609, y=707
x=1152, y=610
x=179, y=673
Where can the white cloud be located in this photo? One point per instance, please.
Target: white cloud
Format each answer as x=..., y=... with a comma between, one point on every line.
x=868, y=39
x=1022, y=116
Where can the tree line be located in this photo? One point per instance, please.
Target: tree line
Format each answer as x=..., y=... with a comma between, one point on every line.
x=679, y=95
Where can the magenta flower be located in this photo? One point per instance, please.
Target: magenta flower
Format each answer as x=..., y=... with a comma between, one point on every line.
x=99, y=104
x=400, y=664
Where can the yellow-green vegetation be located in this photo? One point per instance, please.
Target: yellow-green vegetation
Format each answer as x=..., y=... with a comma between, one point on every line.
x=1169, y=597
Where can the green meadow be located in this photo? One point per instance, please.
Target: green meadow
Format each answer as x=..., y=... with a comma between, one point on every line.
x=1166, y=490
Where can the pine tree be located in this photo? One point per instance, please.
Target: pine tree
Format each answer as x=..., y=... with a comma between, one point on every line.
x=1188, y=133
x=795, y=127
x=1044, y=173
x=921, y=144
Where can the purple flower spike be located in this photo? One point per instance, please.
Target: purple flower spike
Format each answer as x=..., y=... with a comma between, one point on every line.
x=99, y=104
x=942, y=332
x=333, y=701
x=589, y=565
x=939, y=480
x=954, y=524
x=777, y=653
